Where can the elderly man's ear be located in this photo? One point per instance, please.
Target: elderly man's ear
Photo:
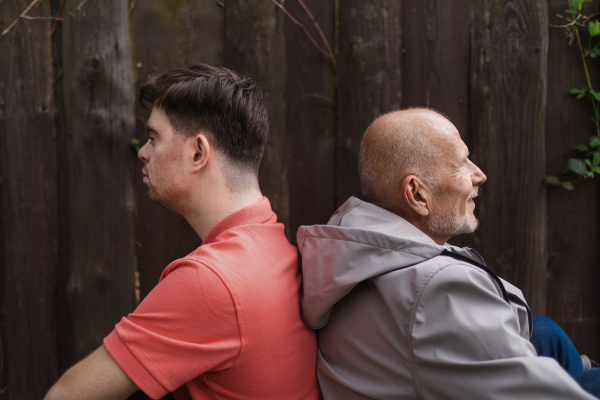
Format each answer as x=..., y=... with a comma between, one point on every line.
x=416, y=196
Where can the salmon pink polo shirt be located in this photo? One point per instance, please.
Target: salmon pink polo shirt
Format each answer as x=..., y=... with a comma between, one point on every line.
x=224, y=321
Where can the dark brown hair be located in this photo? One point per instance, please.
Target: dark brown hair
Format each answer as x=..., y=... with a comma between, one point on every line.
x=226, y=104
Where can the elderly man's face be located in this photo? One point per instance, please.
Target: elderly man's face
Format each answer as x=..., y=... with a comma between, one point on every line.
x=452, y=211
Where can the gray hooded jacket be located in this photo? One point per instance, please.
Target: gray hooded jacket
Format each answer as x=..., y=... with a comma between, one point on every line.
x=397, y=319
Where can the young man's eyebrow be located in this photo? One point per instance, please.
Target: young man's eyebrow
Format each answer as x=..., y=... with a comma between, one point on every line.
x=150, y=129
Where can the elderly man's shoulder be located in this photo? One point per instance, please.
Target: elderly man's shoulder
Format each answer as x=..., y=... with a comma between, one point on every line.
x=444, y=278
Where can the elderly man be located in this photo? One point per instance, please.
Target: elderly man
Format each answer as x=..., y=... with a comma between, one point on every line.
x=400, y=313
x=223, y=322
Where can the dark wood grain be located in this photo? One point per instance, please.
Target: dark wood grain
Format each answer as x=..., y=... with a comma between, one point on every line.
x=254, y=45
x=509, y=42
x=435, y=58
x=96, y=170
x=28, y=201
x=311, y=124
x=369, y=79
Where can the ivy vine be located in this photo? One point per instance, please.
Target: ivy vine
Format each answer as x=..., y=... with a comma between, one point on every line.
x=585, y=160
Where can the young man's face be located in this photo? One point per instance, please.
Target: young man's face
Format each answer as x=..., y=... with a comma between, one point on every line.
x=163, y=156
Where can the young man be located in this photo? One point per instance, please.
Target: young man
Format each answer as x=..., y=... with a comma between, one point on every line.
x=400, y=313
x=223, y=322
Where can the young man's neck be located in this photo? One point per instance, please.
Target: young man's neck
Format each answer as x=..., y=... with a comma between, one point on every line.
x=215, y=207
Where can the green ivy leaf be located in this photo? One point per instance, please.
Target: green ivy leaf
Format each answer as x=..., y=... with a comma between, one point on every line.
x=594, y=141
x=596, y=160
x=552, y=180
x=135, y=144
x=594, y=28
x=576, y=4
x=579, y=92
x=567, y=185
x=593, y=53
x=581, y=147
x=577, y=166
x=595, y=94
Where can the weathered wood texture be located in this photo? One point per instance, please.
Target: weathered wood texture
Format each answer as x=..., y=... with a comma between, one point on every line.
x=96, y=170
x=167, y=35
x=70, y=187
x=573, y=216
x=254, y=46
x=369, y=79
x=311, y=124
x=27, y=205
x=435, y=58
x=509, y=42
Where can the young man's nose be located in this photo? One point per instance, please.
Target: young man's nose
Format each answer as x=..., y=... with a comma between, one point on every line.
x=143, y=153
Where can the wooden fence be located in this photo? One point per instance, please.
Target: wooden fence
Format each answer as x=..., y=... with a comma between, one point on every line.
x=75, y=223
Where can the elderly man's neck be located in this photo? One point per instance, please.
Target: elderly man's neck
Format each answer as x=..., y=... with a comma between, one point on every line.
x=419, y=221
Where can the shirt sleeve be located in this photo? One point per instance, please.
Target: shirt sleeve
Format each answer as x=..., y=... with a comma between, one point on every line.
x=186, y=326
x=466, y=344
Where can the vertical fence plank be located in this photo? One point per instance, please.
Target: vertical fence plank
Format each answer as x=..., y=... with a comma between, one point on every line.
x=508, y=95
x=255, y=46
x=573, y=216
x=95, y=175
x=310, y=96
x=27, y=204
x=369, y=78
x=168, y=35
x=435, y=61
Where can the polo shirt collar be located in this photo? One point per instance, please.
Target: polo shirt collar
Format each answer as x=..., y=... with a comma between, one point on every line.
x=257, y=213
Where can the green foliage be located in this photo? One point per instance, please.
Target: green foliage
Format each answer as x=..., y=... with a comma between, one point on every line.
x=594, y=28
x=576, y=165
x=580, y=92
x=585, y=160
x=135, y=144
x=593, y=53
x=575, y=7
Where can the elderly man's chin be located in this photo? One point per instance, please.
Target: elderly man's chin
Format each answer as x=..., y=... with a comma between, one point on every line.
x=447, y=225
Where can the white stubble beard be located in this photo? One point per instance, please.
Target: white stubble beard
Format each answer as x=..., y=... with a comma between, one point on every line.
x=445, y=224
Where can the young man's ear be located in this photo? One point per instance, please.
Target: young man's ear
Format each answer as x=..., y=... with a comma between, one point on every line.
x=201, y=150
x=415, y=195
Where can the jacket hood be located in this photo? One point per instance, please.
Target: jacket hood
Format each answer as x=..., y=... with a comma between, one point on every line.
x=334, y=257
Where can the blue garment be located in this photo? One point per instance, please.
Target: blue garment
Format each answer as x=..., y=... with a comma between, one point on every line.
x=551, y=341
x=590, y=381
